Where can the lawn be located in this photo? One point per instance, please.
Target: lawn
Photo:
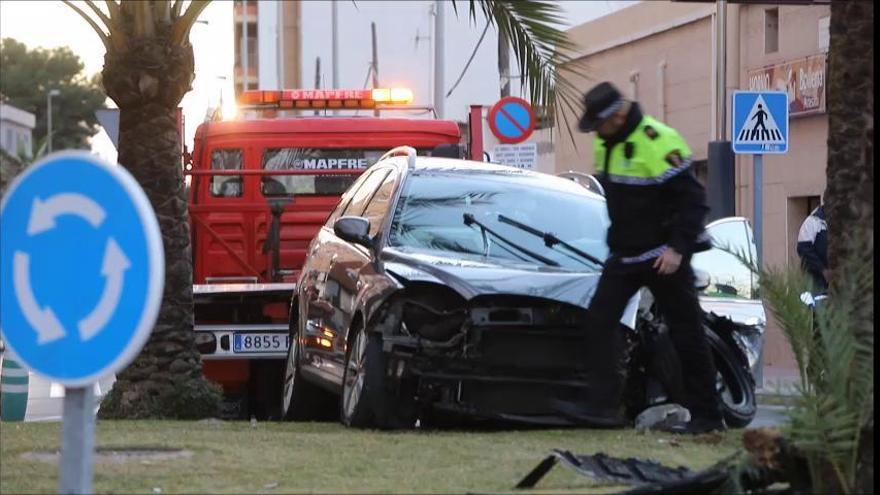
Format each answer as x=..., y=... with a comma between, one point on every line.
x=236, y=457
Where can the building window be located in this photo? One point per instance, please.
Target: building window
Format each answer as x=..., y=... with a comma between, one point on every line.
x=771, y=30
x=252, y=47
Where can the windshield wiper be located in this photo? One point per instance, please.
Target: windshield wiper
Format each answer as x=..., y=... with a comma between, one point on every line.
x=470, y=220
x=550, y=239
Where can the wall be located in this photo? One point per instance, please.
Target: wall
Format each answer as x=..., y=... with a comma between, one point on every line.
x=15, y=129
x=664, y=42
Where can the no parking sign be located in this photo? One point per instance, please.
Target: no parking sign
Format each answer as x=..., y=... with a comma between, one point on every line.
x=511, y=120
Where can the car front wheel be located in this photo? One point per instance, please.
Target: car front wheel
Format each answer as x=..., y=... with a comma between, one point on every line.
x=734, y=383
x=367, y=401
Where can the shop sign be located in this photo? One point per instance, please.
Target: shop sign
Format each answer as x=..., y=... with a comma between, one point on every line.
x=803, y=79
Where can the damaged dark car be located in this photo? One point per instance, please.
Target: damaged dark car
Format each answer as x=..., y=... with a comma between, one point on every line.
x=441, y=289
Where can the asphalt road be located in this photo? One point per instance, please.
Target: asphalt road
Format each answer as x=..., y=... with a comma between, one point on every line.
x=45, y=400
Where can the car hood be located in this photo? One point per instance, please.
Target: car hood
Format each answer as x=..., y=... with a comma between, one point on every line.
x=473, y=276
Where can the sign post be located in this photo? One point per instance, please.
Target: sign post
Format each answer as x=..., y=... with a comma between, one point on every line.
x=81, y=276
x=760, y=126
x=77, y=441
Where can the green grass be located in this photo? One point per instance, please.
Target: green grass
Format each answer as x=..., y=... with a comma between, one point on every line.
x=233, y=457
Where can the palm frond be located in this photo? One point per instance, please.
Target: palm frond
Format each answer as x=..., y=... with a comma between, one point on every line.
x=184, y=23
x=98, y=12
x=540, y=49
x=144, y=24
x=835, y=355
x=176, y=9
x=92, y=23
x=112, y=9
x=162, y=11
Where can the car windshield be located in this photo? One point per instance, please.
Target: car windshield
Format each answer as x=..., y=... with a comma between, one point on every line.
x=430, y=212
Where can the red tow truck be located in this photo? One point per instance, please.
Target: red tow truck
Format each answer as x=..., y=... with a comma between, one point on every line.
x=261, y=186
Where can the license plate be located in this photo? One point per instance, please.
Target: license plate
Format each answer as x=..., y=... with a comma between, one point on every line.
x=260, y=342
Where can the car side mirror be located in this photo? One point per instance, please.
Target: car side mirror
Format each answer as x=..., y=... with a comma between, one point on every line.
x=354, y=229
x=701, y=280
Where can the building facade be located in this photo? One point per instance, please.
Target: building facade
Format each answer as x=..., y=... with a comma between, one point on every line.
x=16, y=126
x=267, y=44
x=663, y=55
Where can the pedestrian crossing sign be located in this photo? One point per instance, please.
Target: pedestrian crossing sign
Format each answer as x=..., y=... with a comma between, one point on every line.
x=760, y=122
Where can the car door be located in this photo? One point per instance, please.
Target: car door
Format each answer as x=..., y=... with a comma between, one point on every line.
x=338, y=290
x=315, y=296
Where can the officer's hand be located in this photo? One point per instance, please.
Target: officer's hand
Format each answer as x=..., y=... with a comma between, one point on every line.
x=668, y=262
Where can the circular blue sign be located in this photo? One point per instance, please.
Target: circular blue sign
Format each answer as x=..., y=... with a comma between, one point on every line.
x=81, y=268
x=511, y=120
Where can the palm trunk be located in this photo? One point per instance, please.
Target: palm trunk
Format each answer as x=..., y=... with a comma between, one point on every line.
x=850, y=172
x=166, y=379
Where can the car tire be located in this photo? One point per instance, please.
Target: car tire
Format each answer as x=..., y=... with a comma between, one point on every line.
x=300, y=399
x=735, y=384
x=366, y=400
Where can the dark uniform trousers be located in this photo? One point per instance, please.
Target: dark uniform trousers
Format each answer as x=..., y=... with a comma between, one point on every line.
x=677, y=301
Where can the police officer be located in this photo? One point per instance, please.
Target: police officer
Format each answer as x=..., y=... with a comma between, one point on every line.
x=657, y=209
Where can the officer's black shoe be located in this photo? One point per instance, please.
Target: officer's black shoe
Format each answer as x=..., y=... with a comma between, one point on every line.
x=695, y=426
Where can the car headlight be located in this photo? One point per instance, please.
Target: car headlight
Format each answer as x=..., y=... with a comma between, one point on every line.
x=433, y=311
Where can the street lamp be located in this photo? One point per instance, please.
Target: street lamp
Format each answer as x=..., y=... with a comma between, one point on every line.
x=49, y=95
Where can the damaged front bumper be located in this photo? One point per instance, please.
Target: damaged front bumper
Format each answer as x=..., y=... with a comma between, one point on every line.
x=519, y=360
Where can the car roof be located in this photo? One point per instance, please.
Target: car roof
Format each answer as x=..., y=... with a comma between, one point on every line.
x=470, y=167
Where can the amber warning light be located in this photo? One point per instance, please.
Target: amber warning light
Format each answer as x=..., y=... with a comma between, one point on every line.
x=325, y=98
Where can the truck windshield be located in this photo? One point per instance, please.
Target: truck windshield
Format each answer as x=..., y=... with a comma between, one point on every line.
x=430, y=209
x=319, y=160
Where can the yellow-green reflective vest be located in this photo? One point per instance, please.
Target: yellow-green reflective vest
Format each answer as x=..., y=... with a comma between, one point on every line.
x=642, y=158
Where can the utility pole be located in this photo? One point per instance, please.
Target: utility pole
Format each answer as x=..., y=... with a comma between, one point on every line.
x=439, y=58
x=721, y=161
x=375, y=64
x=721, y=70
x=334, y=44
x=49, y=95
x=317, y=77
x=503, y=63
x=245, y=76
x=334, y=33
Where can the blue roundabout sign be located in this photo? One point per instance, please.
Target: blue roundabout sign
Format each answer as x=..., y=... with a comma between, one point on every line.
x=81, y=268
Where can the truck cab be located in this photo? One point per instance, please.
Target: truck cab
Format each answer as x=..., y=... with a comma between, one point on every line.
x=260, y=187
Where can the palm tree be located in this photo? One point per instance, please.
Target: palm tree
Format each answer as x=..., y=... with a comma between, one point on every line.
x=148, y=68
x=849, y=199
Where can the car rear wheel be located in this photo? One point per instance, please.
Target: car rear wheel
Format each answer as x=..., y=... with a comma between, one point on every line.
x=367, y=401
x=301, y=400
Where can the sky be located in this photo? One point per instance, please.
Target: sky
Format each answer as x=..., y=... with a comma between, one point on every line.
x=402, y=61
